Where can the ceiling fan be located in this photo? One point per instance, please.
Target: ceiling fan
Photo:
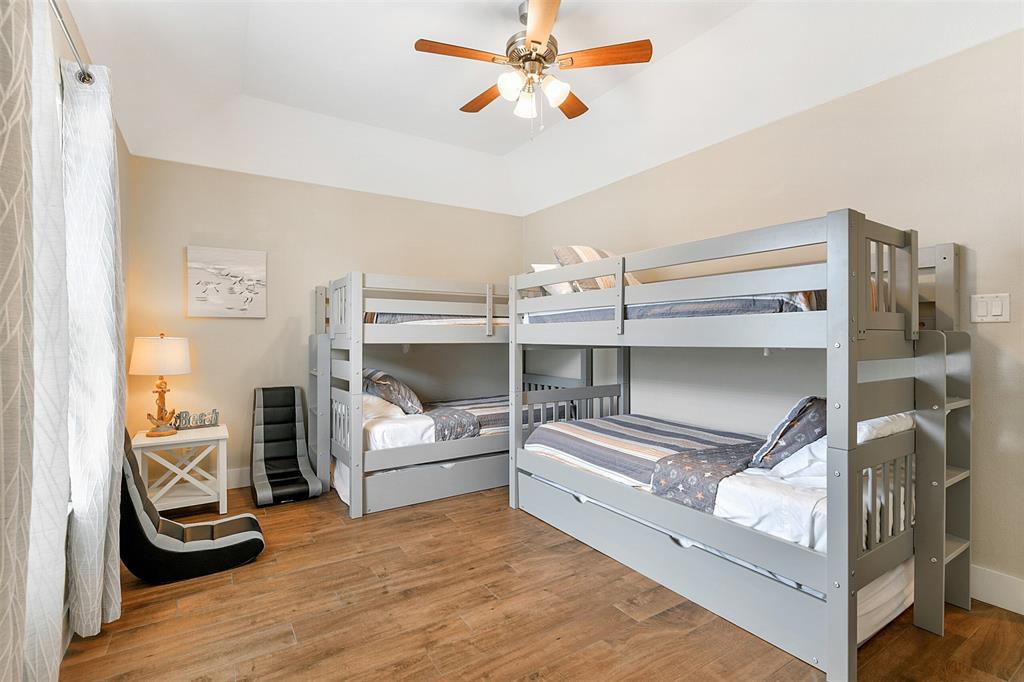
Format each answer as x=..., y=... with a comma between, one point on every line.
x=529, y=53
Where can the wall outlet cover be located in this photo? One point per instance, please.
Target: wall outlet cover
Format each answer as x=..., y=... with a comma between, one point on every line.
x=990, y=308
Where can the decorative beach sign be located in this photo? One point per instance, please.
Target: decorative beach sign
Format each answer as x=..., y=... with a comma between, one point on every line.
x=226, y=282
x=196, y=420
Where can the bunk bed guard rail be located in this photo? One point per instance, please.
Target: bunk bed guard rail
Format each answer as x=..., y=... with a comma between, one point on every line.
x=357, y=294
x=886, y=299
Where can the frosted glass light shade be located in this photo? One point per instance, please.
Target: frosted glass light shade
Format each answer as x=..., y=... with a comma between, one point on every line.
x=526, y=106
x=554, y=90
x=510, y=84
x=160, y=355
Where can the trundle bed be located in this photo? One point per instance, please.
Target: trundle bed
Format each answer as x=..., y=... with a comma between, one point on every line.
x=385, y=463
x=595, y=478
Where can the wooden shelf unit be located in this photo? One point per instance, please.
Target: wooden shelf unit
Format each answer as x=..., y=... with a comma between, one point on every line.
x=942, y=535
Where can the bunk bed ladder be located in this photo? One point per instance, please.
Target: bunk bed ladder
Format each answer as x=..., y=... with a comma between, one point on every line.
x=942, y=558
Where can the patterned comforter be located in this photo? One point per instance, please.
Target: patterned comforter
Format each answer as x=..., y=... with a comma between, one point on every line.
x=678, y=461
x=691, y=478
x=486, y=416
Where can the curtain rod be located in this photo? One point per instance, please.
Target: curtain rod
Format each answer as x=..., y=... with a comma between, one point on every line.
x=83, y=73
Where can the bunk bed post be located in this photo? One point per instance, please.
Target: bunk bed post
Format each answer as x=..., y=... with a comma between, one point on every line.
x=515, y=395
x=947, y=286
x=587, y=366
x=355, y=391
x=847, y=257
x=320, y=310
x=489, y=295
x=622, y=377
x=587, y=379
x=318, y=394
x=907, y=294
x=620, y=295
x=318, y=399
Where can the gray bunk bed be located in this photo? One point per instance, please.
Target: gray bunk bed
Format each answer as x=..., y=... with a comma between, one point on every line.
x=361, y=310
x=804, y=601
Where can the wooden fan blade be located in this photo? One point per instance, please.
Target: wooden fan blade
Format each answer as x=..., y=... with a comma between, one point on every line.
x=480, y=101
x=434, y=47
x=573, y=106
x=636, y=52
x=540, y=19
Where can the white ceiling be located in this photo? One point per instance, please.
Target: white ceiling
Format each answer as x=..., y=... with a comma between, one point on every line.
x=333, y=92
x=356, y=62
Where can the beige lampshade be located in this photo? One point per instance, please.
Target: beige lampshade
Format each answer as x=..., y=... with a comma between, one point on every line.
x=156, y=355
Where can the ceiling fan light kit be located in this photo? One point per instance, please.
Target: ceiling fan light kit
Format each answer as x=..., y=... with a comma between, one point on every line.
x=526, y=105
x=511, y=83
x=554, y=90
x=529, y=53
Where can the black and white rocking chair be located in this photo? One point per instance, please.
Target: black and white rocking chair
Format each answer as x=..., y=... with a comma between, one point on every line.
x=157, y=550
x=281, y=471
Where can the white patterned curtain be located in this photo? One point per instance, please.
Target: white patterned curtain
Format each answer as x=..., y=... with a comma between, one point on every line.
x=15, y=327
x=44, y=614
x=96, y=392
x=62, y=387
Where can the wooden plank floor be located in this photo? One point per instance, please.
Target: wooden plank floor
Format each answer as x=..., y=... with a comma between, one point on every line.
x=467, y=588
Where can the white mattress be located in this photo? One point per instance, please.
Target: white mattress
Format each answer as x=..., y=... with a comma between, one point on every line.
x=396, y=432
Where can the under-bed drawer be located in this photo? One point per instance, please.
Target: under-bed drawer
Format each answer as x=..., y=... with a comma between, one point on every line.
x=411, y=485
x=758, y=604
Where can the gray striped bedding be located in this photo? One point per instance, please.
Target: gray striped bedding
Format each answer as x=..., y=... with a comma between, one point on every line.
x=678, y=461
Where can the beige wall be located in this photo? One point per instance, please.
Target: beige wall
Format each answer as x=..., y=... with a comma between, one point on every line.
x=939, y=150
x=312, y=234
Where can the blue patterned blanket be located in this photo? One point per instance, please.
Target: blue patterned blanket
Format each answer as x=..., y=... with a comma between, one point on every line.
x=691, y=478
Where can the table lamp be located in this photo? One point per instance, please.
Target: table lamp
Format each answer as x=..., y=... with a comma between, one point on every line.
x=160, y=356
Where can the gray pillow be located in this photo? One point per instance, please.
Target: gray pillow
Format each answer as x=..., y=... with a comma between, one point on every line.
x=804, y=424
x=381, y=384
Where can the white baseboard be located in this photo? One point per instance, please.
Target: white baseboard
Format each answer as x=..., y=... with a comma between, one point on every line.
x=238, y=478
x=998, y=589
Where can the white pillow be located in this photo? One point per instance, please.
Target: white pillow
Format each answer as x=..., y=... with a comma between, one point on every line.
x=374, y=407
x=810, y=460
x=558, y=288
x=880, y=427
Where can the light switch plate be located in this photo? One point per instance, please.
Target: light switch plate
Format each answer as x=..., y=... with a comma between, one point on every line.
x=990, y=308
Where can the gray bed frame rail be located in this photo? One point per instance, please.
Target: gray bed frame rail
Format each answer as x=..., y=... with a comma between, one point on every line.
x=870, y=345
x=394, y=477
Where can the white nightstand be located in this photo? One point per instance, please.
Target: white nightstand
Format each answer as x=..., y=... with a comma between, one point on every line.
x=184, y=483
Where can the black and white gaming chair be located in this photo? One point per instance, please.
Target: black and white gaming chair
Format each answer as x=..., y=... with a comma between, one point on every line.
x=159, y=551
x=281, y=471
